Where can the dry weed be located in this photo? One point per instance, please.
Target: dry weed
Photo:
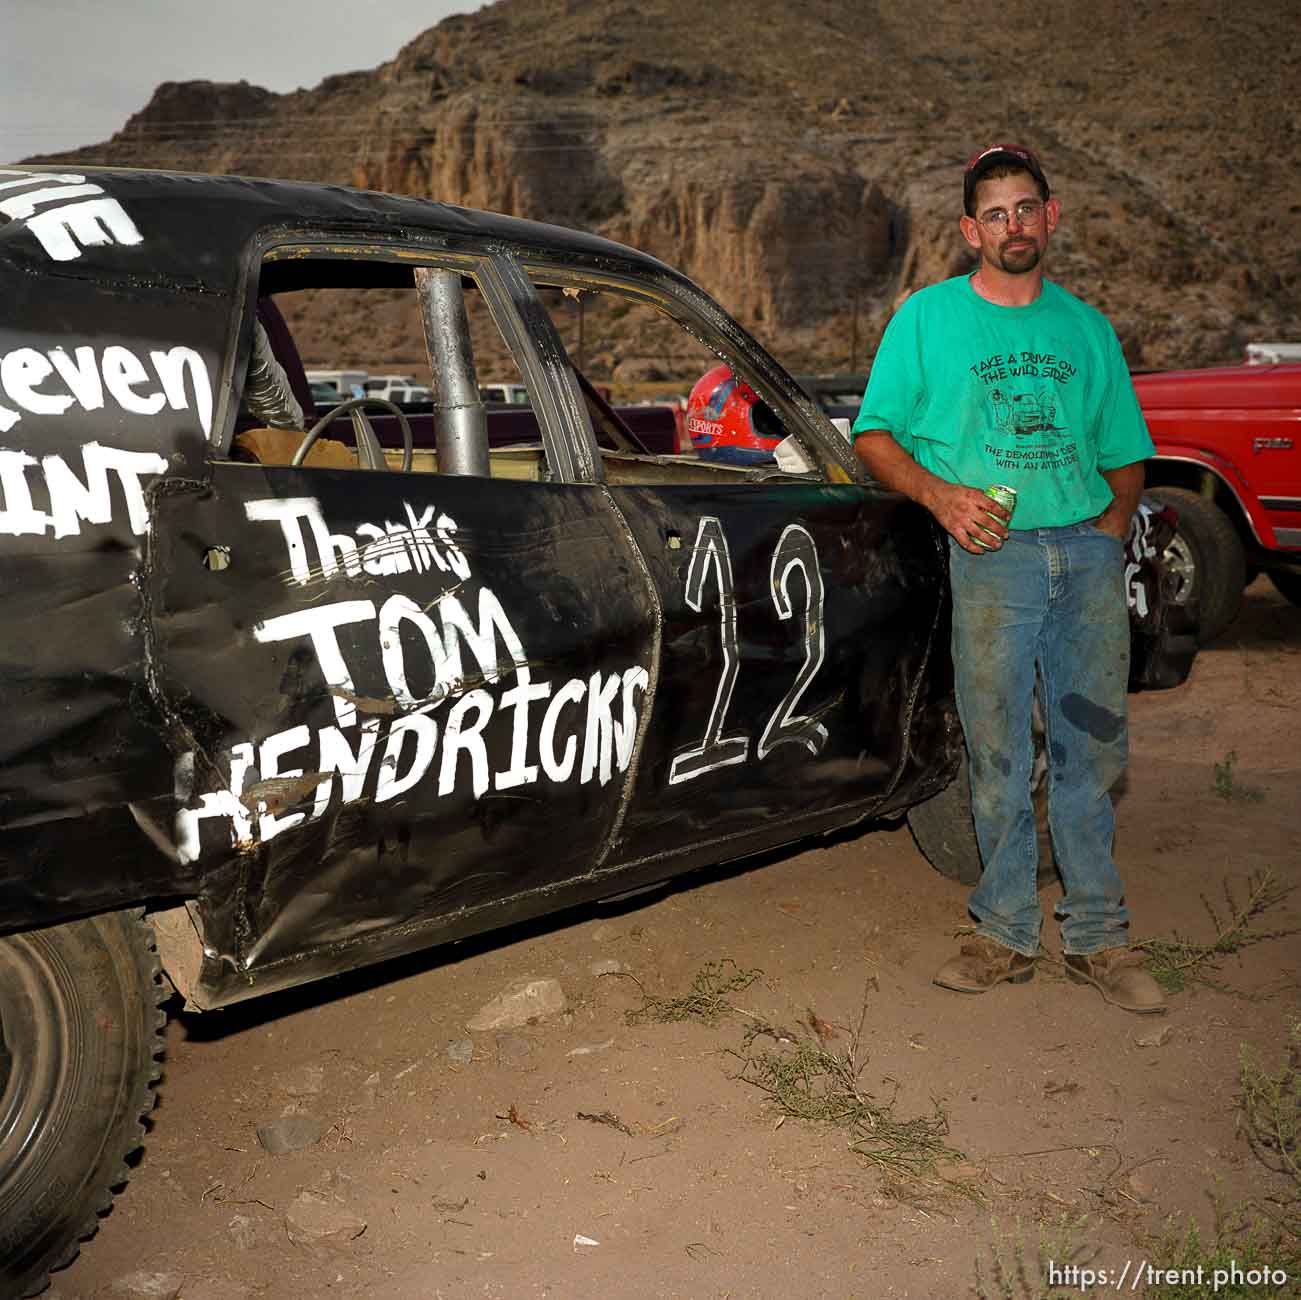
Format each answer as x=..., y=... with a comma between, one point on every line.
x=1175, y=961
x=706, y=1001
x=808, y=1081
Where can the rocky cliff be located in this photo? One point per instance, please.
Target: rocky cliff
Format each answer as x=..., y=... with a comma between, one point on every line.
x=804, y=162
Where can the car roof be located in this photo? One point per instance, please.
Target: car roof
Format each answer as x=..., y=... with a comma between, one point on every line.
x=174, y=214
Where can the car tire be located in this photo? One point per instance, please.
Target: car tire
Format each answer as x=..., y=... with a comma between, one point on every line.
x=80, y=1027
x=1207, y=559
x=945, y=833
x=1287, y=582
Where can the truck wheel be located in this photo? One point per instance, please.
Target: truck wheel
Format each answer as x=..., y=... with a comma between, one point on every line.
x=1287, y=582
x=1207, y=559
x=946, y=834
x=80, y=1027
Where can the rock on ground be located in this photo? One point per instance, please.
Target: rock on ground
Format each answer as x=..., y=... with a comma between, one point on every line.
x=242, y=1231
x=315, y=1219
x=522, y=1000
x=461, y=1051
x=148, y=1286
x=289, y=1133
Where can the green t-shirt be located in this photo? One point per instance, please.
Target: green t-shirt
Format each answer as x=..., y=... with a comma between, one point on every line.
x=1036, y=397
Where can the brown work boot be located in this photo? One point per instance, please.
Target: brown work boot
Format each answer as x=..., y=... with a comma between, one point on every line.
x=1119, y=975
x=981, y=963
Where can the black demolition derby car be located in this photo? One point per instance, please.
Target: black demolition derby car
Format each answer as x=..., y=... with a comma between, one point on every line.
x=289, y=691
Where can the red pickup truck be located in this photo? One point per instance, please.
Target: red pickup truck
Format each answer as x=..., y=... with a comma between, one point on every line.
x=1228, y=458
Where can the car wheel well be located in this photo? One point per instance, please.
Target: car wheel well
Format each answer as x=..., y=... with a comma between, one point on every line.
x=1206, y=483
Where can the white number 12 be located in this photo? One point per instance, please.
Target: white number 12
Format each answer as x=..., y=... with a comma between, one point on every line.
x=711, y=557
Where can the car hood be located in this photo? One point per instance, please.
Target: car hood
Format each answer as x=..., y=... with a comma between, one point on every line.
x=1221, y=387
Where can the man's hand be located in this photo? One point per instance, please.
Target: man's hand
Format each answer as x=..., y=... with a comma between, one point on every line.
x=1114, y=522
x=976, y=522
x=966, y=514
x=1126, y=483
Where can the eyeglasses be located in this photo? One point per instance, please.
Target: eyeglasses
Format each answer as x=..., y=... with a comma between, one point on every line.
x=1028, y=215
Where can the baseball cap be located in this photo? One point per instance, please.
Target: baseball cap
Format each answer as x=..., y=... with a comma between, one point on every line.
x=999, y=155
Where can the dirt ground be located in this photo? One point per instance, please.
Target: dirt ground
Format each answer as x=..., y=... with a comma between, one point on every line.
x=1076, y=1120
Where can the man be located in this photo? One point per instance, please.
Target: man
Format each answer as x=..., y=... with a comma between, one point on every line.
x=1001, y=376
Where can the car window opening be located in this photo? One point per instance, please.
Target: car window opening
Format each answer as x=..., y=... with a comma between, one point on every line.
x=690, y=414
x=432, y=321
x=448, y=373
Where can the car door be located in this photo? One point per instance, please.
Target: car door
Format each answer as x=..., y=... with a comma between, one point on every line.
x=803, y=677
x=390, y=691
x=799, y=624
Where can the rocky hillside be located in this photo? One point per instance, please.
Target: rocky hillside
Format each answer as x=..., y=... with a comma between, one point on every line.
x=804, y=162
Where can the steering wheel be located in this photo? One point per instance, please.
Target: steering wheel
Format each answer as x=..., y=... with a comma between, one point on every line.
x=370, y=453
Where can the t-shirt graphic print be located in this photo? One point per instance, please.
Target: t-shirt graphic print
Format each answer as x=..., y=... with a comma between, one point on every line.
x=1036, y=397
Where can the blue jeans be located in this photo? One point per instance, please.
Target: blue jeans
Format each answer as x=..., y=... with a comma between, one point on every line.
x=1051, y=599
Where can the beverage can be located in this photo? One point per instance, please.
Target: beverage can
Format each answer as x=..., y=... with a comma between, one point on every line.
x=1002, y=495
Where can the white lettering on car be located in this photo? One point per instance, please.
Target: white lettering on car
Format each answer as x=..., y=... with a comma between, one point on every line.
x=320, y=625
x=74, y=500
x=351, y=765
x=269, y=754
x=397, y=548
x=64, y=212
x=225, y=804
x=463, y=646
x=559, y=769
x=712, y=554
x=1140, y=546
x=51, y=382
x=425, y=732
x=524, y=693
x=796, y=552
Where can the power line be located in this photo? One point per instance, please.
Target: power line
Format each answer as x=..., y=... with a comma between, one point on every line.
x=346, y=126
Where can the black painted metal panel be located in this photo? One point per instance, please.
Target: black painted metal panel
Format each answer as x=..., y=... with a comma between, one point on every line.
x=836, y=689
x=496, y=640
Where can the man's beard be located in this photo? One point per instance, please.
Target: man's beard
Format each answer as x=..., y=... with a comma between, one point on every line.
x=1019, y=260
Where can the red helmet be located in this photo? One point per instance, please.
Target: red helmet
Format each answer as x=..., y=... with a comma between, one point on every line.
x=729, y=422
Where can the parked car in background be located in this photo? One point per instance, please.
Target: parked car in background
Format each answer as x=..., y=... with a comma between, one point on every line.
x=506, y=394
x=1228, y=458
x=351, y=383
x=838, y=396
x=387, y=385
x=1271, y=354
x=410, y=394
x=287, y=693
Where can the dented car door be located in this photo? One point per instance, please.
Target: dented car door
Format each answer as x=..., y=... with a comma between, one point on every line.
x=392, y=688
x=383, y=730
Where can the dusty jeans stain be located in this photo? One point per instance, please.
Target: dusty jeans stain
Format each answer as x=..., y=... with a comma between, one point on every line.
x=1051, y=599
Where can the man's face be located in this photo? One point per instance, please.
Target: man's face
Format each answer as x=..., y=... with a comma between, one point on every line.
x=1017, y=246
